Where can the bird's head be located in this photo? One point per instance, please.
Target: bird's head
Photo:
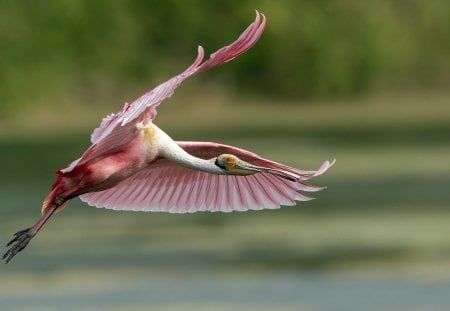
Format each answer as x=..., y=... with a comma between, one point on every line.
x=232, y=165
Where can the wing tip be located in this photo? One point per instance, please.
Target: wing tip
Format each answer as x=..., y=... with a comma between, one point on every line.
x=323, y=168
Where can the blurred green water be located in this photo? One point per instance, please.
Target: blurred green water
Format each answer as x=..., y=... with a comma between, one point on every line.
x=380, y=231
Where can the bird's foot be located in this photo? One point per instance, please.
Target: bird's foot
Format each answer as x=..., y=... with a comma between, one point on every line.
x=18, y=243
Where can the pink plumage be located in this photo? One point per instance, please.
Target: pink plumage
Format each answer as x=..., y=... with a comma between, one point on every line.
x=134, y=165
x=167, y=187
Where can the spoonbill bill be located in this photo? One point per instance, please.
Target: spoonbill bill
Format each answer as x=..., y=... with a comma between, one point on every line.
x=134, y=165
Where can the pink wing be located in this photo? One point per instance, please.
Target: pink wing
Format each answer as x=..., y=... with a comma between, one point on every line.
x=167, y=187
x=145, y=106
x=117, y=130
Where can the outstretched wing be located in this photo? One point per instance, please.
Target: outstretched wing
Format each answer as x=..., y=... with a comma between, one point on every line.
x=145, y=106
x=167, y=187
x=117, y=130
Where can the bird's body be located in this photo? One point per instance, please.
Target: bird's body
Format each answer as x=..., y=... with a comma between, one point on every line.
x=107, y=169
x=134, y=165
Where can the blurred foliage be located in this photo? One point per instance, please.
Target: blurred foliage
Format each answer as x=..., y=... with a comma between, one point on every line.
x=311, y=49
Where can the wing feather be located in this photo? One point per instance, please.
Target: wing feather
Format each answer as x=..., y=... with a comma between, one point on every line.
x=144, y=107
x=269, y=200
x=234, y=192
x=281, y=194
x=218, y=203
x=252, y=195
x=140, y=190
x=165, y=186
x=211, y=192
x=166, y=190
x=244, y=195
x=190, y=205
x=180, y=190
x=153, y=190
x=116, y=131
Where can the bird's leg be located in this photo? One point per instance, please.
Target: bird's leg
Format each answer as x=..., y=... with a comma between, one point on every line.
x=23, y=237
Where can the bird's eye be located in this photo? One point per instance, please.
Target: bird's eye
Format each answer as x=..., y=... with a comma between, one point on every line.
x=230, y=161
x=219, y=164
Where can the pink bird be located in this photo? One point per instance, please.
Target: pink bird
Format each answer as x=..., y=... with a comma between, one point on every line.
x=134, y=165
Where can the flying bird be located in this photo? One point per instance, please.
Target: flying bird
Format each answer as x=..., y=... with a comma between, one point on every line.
x=134, y=165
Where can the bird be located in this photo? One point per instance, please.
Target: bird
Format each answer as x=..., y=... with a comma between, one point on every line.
x=133, y=165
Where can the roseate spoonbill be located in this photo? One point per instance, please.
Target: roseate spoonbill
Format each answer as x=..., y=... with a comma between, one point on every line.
x=133, y=165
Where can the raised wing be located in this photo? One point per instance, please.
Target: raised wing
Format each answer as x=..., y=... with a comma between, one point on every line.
x=144, y=107
x=117, y=130
x=167, y=187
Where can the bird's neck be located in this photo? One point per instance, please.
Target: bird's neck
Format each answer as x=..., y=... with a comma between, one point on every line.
x=170, y=150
